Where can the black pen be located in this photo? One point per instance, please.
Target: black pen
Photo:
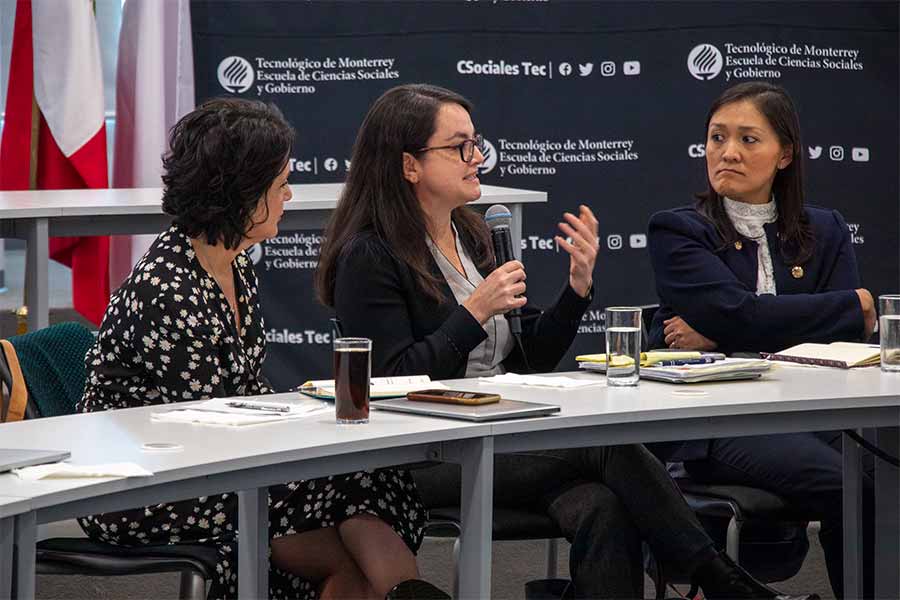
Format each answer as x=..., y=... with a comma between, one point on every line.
x=257, y=406
x=677, y=362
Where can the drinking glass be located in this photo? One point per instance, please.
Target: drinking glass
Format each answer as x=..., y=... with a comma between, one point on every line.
x=623, y=345
x=352, y=371
x=889, y=330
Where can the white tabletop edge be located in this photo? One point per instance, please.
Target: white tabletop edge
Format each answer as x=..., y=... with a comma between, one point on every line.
x=784, y=393
x=129, y=201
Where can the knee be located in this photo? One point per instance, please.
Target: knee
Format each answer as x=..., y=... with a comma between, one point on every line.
x=280, y=551
x=602, y=519
x=608, y=520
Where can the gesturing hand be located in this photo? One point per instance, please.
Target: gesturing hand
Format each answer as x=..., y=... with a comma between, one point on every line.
x=501, y=291
x=582, y=230
x=684, y=337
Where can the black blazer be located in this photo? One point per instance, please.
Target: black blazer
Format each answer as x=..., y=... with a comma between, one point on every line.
x=376, y=296
x=714, y=288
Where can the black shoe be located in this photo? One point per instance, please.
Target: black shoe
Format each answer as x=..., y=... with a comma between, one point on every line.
x=721, y=579
x=416, y=589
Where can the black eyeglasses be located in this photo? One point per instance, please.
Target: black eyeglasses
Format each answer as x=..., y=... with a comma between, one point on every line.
x=466, y=148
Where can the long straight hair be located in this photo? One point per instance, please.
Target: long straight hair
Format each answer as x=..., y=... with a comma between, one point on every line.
x=774, y=103
x=377, y=198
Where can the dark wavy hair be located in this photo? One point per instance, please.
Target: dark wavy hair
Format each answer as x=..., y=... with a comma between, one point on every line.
x=222, y=158
x=797, y=236
x=377, y=197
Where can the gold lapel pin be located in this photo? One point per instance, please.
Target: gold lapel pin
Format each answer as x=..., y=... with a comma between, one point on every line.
x=738, y=245
x=797, y=271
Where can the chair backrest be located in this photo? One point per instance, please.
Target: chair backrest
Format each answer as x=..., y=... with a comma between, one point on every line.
x=647, y=313
x=52, y=363
x=337, y=330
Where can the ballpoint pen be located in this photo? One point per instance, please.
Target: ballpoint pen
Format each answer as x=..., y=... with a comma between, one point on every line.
x=684, y=361
x=258, y=406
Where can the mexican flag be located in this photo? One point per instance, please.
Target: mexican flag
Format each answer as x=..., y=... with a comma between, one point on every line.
x=54, y=135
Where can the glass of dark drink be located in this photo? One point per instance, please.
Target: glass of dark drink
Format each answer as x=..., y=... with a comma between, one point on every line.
x=352, y=369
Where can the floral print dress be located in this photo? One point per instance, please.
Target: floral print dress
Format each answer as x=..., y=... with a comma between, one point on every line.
x=169, y=335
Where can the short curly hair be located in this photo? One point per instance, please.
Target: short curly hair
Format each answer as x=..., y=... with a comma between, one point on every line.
x=222, y=158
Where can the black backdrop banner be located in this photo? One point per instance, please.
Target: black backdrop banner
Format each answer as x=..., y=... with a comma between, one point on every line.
x=597, y=103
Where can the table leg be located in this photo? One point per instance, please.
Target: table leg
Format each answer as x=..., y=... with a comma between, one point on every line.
x=852, y=518
x=25, y=539
x=477, y=515
x=516, y=229
x=887, y=523
x=253, y=543
x=6, y=557
x=37, y=256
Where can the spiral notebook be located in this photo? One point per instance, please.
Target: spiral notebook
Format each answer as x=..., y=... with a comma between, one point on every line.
x=727, y=369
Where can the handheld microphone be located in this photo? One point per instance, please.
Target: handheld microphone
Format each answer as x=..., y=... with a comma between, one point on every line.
x=498, y=219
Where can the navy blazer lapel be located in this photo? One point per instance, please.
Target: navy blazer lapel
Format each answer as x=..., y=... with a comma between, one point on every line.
x=742, y=259
x=785, y=281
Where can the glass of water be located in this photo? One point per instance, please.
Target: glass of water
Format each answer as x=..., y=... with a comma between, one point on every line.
x=889, y=330
x=623, y=345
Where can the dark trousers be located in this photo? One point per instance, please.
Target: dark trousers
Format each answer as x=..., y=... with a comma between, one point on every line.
x=604, y=500
x=806, y=470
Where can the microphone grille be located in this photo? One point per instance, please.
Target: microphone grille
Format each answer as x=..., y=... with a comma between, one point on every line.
x=497, y=216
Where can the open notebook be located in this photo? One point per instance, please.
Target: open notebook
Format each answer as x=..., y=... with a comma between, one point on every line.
x=843, y=355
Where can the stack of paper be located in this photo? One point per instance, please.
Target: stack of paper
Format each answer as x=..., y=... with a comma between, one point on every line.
x=721, y=370
x=380, y=387
x=245, y=410
x=70, y=471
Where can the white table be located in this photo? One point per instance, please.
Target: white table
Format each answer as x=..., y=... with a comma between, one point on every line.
x=790, y=399
x=214, y=460
x=36, y=215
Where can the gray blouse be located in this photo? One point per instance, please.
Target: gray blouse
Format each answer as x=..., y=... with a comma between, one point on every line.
x=485, y=359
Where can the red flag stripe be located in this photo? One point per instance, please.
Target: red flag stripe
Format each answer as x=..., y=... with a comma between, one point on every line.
x=86, y=167
x=15, y=147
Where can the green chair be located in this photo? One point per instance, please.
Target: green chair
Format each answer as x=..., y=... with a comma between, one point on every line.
x=52, y=362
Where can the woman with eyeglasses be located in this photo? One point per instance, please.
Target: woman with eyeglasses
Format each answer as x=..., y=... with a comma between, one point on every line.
x=409, y=265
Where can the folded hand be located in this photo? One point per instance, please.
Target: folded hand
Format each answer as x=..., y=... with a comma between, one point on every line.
x=684, y=337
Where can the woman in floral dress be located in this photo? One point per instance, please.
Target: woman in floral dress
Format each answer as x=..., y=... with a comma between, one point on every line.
x=186, y=325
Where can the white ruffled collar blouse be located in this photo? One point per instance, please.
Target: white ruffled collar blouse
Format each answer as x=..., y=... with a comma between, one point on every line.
x=748, y=220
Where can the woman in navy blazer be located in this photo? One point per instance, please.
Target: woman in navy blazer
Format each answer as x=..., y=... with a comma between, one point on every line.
x=751, y=268
x=713, y=286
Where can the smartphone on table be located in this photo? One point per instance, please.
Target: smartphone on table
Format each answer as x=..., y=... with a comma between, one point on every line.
x=453, y=397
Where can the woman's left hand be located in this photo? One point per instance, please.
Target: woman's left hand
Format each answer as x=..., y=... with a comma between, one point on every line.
x=582, y=230
x=684, y=337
